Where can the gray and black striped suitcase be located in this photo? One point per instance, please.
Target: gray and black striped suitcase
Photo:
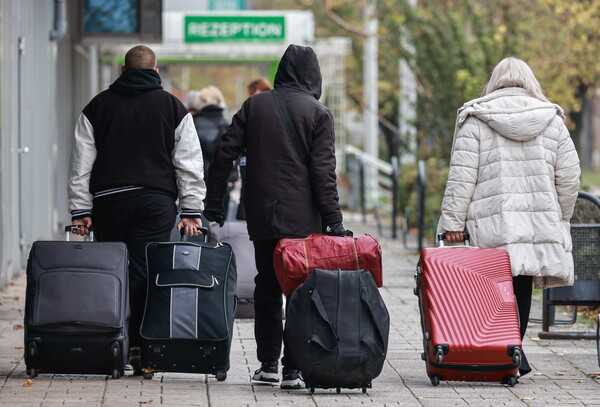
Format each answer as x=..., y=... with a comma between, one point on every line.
x=77, y=308
x=191, y=299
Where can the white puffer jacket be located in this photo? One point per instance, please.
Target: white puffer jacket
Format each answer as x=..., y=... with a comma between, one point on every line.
x=513, y=182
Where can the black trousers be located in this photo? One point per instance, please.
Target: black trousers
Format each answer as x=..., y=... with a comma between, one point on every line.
x=523, y=287
x=135, y=218
x=268, y=300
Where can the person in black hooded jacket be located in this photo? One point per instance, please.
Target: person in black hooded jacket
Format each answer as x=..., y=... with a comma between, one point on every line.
x=285, y=196
x=135, y=152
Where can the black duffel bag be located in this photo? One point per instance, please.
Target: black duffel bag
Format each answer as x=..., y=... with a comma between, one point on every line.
x=337, y=328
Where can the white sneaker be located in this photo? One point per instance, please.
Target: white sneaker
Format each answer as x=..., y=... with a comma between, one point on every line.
x=268, y=373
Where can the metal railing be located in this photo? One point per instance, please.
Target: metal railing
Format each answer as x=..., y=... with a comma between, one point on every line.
x=387, y=185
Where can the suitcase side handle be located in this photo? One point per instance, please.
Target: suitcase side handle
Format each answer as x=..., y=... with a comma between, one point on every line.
x=71, y=228
x=202, y=230
x=442, y=236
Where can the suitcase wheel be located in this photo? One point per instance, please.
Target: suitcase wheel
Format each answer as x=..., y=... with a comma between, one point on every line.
x=32, y=373
x=517, y=357
x=32, y=349
x=510, y=381
x=439, y=355
x=221, y=376
x=115, y=349
x=116, y=374
x=435, y=379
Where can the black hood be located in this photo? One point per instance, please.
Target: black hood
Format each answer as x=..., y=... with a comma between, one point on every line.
x=299, y=69
x=135, y=81
x=211, y=109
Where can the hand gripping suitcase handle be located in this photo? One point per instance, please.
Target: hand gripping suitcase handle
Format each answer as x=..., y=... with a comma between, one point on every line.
x=442, y=236
x=202, y=230
x=71, y=228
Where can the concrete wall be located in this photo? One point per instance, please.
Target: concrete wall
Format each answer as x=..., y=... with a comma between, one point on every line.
x=37, y=106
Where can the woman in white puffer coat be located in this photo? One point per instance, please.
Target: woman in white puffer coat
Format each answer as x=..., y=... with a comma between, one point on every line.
x=513, y=181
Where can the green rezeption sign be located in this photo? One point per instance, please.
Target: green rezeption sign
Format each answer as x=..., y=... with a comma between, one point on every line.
x=208, y=29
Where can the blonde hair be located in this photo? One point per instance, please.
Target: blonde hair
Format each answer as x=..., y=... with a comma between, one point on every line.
x=211, y=95
x=513, y=72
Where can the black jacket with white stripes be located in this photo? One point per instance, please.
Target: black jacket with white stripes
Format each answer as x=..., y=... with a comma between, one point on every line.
x=136, y=135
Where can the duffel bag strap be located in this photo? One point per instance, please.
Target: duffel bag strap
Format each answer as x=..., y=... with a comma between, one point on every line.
x=316, y=300
x=378, y=346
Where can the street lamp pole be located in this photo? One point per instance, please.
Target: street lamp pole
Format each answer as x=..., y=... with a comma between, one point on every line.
x=371, y=97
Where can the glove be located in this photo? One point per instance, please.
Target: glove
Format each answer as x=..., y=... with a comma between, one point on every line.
x=337, y=229
x=213, y=212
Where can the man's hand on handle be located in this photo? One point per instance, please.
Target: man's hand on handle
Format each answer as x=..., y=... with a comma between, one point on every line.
x=337, y=229
x=190, y=226
x=84, y=225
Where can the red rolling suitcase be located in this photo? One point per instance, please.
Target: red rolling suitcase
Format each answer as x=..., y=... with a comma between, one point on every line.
x=468, y=314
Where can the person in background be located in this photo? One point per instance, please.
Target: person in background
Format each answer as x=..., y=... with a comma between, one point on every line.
x=210, y=126
x=135, y=152
x=209, y=121
x=285, y=197
x=192, y=101
x=513, y=182
x=256, y=86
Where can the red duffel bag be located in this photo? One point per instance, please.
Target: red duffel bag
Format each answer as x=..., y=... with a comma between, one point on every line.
x=295, y=259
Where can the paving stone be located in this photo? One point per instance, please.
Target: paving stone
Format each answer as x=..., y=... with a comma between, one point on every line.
x=561, y=375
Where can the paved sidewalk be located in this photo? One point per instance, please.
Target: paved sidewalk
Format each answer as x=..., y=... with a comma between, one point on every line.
x=565, y=371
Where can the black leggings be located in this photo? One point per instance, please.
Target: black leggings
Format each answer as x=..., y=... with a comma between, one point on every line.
x=523, y=287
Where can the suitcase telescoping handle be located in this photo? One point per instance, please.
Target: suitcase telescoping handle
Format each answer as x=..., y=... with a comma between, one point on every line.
x=70, y=228
x=442, y=236
x=203, y=230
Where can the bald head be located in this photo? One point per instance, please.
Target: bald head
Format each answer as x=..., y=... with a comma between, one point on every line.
x=140, y=57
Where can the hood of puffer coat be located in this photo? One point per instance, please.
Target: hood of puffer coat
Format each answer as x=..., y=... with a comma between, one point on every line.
x=512, y=113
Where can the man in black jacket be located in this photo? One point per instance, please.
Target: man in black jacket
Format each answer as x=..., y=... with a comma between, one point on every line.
x=135, y=152
x=285, y=196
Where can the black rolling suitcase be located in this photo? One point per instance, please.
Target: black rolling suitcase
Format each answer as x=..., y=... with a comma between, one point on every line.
x=77, y=308
x=337, y=329
x=188, y=319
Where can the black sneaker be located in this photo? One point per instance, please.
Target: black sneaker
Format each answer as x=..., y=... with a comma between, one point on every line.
x=268, y=373
x=292, y=379
x=134, y=360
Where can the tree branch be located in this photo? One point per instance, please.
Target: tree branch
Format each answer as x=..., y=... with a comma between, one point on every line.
x=340, y=21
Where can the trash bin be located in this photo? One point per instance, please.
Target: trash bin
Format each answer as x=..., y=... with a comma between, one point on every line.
x=585, y=233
